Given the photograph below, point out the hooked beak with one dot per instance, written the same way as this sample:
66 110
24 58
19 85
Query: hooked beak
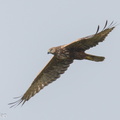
48 52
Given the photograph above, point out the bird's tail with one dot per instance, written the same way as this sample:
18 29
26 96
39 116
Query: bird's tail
94 58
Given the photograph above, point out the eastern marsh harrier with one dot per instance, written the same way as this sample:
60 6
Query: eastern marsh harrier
64 55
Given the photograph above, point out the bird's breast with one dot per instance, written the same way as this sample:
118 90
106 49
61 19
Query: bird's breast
63 54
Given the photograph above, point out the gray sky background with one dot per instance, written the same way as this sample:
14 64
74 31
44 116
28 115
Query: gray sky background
88 90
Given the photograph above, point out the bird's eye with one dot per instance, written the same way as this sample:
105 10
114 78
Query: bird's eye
51 50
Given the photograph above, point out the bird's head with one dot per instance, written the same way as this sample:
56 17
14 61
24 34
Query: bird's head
52 50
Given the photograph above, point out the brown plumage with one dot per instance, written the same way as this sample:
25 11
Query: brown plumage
63 57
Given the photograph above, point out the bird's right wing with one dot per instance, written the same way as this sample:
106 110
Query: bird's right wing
87 42
49 74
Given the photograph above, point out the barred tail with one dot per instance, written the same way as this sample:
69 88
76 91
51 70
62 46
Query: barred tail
94 58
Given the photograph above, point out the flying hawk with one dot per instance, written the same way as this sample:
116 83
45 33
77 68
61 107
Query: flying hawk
64 55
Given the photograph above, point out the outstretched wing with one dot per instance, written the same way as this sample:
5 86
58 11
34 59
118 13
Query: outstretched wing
92 40
49 74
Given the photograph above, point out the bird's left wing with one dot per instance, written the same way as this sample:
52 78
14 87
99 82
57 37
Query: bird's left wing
49 74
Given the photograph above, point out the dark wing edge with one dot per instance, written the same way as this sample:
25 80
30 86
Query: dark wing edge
49 74
90 41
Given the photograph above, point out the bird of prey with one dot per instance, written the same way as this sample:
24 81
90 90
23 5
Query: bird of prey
63 56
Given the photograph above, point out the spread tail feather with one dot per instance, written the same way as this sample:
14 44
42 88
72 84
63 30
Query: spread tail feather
94 58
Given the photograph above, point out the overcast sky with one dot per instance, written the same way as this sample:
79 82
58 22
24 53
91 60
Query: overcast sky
88 90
